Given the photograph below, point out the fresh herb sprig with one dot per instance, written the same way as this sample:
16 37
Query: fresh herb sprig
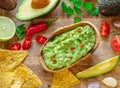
20 31
77 8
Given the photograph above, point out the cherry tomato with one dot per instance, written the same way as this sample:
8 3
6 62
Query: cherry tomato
27 43
115 43
15 46
40 39
104 28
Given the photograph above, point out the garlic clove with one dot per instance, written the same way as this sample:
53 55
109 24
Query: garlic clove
110 81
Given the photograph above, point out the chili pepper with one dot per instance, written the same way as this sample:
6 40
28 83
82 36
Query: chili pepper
15 46
104 28
27 43
39 27
40 39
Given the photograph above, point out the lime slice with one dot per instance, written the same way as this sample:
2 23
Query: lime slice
7 28
100 68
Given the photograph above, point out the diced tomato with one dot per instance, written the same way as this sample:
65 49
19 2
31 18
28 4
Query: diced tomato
41 39
104 28
53 59
27 43
15 46
72 48
115 43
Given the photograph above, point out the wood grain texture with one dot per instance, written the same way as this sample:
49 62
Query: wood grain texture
103 52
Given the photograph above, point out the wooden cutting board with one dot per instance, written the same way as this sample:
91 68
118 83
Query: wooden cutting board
103 52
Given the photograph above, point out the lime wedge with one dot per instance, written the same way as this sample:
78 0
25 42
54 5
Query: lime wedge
7 28
100 68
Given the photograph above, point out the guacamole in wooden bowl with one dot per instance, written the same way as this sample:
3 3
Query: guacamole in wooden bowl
68 45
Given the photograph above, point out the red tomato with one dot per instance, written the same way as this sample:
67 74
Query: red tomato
40 39
115 43
27 43
72 48
15 46
104 28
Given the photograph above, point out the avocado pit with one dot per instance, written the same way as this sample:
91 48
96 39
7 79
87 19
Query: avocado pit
38 4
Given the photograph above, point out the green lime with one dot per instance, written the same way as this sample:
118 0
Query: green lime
7 28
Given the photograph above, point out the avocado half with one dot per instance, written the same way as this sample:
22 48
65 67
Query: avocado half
109 7
26 12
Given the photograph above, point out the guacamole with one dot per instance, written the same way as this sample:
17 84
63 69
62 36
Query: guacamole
67 48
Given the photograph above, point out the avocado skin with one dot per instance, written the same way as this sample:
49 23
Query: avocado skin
109 7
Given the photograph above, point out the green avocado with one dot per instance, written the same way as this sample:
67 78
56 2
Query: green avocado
26 12
109 7
100 68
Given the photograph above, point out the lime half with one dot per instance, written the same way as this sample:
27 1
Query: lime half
7 28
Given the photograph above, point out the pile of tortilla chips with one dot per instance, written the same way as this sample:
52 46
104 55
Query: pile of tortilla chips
14 74
64 79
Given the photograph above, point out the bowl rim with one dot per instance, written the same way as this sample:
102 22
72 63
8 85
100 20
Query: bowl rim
65 29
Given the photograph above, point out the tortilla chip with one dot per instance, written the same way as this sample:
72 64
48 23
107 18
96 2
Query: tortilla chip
17 82
64 79
9 60
6 79
30 79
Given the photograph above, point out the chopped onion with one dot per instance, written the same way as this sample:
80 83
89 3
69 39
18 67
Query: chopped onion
110 81
94 85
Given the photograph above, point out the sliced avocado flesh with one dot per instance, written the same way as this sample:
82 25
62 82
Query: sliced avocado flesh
26 12
100 68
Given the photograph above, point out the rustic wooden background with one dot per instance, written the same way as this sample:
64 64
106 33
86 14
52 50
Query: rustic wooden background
103 52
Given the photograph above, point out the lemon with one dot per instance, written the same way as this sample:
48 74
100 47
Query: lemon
7 28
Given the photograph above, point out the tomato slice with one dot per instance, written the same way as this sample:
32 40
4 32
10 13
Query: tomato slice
115 43
41 39
104 28
27 43
15 46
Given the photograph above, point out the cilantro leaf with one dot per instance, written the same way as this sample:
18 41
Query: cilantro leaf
77 3
77 10
20 32
77 19
88 5
94 11
72 1
76 7
64 6
68 10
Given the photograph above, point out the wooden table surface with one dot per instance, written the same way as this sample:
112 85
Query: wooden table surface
103 52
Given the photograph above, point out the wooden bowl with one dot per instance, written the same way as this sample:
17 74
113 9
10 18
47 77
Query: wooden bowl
65 29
